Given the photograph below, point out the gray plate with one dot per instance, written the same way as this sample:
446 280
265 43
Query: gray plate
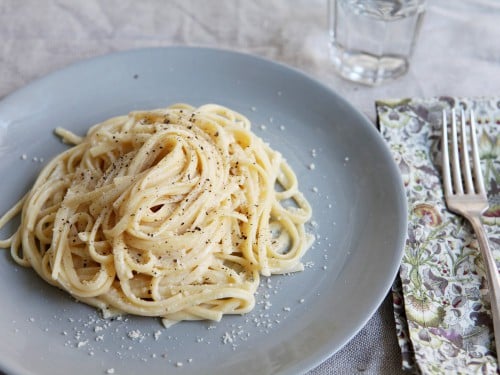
344 169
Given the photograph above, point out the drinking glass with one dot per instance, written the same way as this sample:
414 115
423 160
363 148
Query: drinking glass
371 41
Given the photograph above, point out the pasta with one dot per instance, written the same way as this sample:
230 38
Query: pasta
173 213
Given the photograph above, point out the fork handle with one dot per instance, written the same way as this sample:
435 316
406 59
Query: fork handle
492 276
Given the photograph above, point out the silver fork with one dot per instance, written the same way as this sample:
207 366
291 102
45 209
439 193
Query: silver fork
469 199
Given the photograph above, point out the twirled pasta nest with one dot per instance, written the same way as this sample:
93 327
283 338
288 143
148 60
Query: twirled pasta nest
173 213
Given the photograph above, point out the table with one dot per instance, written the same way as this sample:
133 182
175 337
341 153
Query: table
457 54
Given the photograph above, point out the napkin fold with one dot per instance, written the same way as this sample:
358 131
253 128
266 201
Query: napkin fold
441 300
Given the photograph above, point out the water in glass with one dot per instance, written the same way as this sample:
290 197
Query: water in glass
372 40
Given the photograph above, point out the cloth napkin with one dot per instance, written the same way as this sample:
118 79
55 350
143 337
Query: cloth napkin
441 301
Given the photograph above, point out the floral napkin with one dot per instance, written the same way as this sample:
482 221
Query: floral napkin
441 300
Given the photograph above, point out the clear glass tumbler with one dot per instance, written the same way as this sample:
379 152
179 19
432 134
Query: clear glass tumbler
371 41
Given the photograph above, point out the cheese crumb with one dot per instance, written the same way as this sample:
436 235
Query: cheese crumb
157 334
82 343
227 338
135 334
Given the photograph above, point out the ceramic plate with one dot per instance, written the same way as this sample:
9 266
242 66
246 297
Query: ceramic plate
344 169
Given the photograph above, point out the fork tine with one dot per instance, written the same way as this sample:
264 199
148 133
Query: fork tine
469 188
478 176
445 157
455 163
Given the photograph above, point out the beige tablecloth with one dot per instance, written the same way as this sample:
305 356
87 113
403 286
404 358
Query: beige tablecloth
457 54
